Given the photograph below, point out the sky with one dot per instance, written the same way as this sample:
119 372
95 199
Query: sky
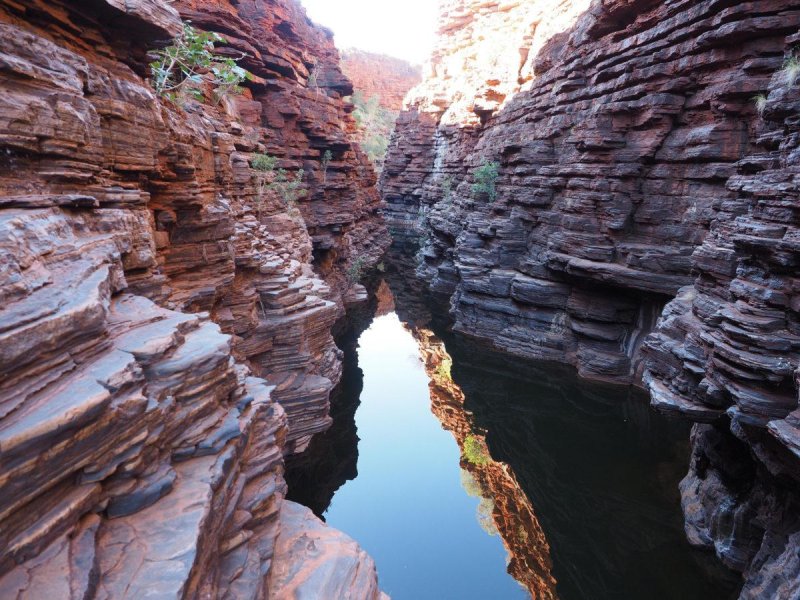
401 29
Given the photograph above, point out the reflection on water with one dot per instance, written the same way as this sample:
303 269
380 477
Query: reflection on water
601 471
503 508
574 483
407 507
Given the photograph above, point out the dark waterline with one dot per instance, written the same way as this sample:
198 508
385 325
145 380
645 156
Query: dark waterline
580 487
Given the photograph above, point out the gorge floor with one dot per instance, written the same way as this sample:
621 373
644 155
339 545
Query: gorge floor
566 486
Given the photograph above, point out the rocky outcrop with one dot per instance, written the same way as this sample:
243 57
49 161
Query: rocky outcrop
611 160
161 317
386 77
637 180
331 565
727 353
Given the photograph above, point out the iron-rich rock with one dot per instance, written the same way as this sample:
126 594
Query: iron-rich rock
160 314
640 193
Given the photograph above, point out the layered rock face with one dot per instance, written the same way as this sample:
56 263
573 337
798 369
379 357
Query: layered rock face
160 316
726 353
614 143
634 171
379 75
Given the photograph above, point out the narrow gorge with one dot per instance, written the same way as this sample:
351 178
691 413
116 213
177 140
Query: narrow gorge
259 340
644 230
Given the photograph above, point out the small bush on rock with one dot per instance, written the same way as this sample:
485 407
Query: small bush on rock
290 189
443 370
761 104
355 271
447 189
264 166
326 161
475 451
313 76
268 178
264 162
376 124
180 69
791 69
486 179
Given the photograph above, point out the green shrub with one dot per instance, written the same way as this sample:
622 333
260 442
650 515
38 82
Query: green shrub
475 451
791 69
356 269
447 189
761 104
289 189
485 179
326 160
268 178
375 124
443 370
313 76
264 162
180 69
264 165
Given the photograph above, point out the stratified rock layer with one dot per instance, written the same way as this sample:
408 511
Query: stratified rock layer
634 171
159 317
379 75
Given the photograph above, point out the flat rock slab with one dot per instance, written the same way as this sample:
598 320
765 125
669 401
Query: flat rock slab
316 561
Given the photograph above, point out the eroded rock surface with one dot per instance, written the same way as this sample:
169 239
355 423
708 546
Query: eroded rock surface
320 562
379 75
159 317
639 191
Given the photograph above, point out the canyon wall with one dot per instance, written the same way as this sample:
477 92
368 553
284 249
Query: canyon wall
642 191
379 75
166 323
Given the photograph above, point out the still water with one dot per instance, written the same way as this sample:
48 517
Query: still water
467 475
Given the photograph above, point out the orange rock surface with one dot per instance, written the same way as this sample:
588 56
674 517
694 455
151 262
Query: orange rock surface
379 75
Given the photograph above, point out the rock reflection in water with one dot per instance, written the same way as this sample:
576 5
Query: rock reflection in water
504 508
600 469
331 459
579 480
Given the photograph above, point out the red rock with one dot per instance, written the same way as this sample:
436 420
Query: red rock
634 173
333 566
155 312
379 75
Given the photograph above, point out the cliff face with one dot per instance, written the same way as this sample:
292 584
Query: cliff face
379 75
160 316
636 181
726 353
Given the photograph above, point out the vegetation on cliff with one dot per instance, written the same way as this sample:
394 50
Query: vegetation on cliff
270 179
375 124
486 180
475 451
180 70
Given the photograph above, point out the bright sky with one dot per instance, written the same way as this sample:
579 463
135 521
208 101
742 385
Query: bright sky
401 29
